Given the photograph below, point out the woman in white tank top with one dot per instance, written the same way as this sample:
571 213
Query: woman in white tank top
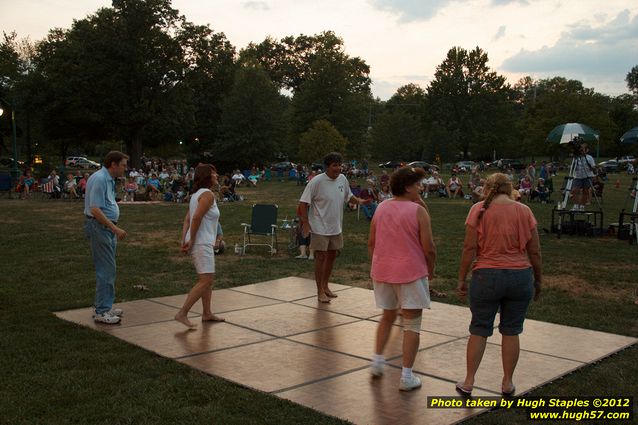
198 238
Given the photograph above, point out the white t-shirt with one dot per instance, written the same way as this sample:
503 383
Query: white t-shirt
326 198
584 167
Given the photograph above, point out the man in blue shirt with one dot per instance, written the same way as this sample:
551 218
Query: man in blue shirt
102 213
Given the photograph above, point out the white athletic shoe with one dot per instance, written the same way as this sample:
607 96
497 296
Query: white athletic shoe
106 318
116 312
409 384
376 369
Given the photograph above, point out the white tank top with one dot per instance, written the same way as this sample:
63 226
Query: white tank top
207 231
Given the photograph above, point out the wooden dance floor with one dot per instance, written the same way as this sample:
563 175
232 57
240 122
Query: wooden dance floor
278 339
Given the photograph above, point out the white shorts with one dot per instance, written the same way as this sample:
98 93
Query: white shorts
410 296
203 258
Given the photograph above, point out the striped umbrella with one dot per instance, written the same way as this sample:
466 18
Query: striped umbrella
630 137
565 133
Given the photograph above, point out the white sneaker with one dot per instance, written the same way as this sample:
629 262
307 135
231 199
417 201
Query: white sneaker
376 369
107 318
311 258
116 312
303 257
409 384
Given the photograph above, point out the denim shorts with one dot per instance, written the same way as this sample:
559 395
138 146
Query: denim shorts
507 290
581 183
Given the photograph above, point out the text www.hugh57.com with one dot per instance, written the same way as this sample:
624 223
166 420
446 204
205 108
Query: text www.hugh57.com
579 416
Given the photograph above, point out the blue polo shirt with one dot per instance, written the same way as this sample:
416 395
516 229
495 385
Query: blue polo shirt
100 193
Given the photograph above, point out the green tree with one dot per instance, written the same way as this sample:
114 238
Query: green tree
399 131
18 86
550 102
326 83
320 139
470 105
252 126
397 135
127 69
289 61
632 80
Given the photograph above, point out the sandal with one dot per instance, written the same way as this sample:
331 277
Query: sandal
462 390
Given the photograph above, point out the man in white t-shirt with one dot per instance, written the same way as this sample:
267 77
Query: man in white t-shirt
326 194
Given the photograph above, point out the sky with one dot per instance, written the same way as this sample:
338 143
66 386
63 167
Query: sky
404 41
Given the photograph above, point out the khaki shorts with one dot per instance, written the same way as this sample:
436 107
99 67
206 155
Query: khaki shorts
411 296
326 243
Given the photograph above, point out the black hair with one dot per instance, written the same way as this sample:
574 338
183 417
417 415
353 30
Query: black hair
332 158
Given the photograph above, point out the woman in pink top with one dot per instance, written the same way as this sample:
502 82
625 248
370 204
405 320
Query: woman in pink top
502 246
403 255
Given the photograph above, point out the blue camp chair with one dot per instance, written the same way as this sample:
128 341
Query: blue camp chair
263 223
5 184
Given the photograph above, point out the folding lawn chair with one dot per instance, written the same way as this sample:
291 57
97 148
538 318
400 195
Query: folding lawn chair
263 223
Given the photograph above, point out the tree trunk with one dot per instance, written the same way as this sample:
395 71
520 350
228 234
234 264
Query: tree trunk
134 151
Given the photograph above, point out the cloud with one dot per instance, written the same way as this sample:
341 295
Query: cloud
385 87
411 10
500 33
423 10
256 5
585 50
506 2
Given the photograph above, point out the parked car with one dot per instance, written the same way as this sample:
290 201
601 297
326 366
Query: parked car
625 159
392 164
71 161
610 166
8 162
465 165
317 166
283 166
425 165
505 163
86 163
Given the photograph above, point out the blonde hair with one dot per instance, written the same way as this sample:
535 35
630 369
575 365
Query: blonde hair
495 184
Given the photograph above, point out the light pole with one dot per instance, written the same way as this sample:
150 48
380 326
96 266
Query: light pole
15 172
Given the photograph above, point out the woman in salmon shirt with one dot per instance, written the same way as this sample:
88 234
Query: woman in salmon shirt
403 254
502 247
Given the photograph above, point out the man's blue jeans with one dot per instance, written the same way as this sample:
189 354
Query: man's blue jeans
103 243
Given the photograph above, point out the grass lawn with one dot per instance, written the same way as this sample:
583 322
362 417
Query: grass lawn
54 372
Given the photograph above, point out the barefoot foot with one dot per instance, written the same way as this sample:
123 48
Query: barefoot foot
181 318
323 298
213 318
330 293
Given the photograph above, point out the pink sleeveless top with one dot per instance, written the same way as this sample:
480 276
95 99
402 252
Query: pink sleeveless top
398 256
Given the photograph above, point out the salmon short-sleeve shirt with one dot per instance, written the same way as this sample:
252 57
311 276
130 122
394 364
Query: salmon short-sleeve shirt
502 235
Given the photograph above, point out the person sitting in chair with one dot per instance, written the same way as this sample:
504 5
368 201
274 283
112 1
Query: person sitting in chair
129 189
70 187
454 187
153 187
541 191
26 183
